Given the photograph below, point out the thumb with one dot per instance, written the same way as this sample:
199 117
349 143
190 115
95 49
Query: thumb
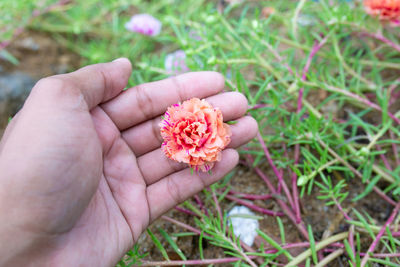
100 82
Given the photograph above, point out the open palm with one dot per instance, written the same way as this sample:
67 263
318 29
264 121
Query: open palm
84 174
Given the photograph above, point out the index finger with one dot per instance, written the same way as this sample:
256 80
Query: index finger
149 100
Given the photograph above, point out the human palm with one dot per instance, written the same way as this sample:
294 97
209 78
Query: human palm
81 169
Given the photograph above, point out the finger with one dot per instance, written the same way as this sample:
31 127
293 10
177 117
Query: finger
177 187
243 131
232 105
100 82
155 165
8 130
149 100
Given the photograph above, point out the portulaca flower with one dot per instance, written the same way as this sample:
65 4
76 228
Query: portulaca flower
144 24
175 63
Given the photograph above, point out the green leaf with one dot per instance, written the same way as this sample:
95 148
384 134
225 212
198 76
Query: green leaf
312 245
158 244
172 244
9 57
281 230
368 189
201 245
274 244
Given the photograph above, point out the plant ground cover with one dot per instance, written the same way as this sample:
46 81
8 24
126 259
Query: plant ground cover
322 80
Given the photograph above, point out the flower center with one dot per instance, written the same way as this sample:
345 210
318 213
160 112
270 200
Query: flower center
192 135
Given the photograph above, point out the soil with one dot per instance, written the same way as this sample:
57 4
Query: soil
40 56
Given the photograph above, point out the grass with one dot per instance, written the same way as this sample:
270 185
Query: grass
321 78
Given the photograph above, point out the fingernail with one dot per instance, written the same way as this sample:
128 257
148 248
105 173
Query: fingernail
120 59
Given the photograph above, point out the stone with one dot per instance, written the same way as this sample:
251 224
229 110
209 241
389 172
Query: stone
244 226
14 89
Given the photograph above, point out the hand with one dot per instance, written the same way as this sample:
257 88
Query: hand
81 170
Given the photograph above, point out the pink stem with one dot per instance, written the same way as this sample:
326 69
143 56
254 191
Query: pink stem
383 39
357 173
345 215
380 234
266 152
295 192
200 204
258 106
277 173
300 245
383 255
394 147
250 196
193 262
181 224
290 199
393 98
351 240
217 206
384 159
375 255
364 101
188 212
280 60
317 46
255 207
396 234
197 231
282 204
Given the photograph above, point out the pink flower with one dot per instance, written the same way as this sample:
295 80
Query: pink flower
175 63
388 10
144 24
194 133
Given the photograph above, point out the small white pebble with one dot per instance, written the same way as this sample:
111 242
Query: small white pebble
245 228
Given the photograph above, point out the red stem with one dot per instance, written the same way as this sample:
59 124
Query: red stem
255 207
277 173
181 224
384 159
193 262
379 235
351 240
376 255
250 196
394 147
188 212
300 245
282 204
364 101
383 39
290 198
217 206
258 106
200 204
393 98
345 215
317 46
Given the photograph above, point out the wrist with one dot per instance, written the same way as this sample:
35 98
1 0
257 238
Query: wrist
15 242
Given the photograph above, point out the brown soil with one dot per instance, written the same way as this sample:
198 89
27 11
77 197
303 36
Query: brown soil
39 56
